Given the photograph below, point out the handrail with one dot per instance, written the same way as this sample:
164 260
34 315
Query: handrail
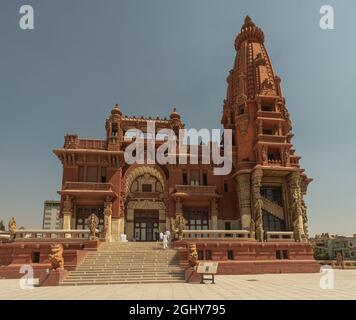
219 234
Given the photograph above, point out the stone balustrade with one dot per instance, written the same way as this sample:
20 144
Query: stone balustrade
195 189
92 144
242 235
30 234
280 236
92 186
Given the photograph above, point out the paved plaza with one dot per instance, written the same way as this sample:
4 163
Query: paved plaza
271 286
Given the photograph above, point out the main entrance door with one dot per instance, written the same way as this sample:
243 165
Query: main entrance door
146 225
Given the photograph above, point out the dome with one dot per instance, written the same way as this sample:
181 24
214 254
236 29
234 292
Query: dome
116 110
174 114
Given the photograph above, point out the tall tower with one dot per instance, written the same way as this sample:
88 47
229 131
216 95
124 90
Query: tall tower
271 183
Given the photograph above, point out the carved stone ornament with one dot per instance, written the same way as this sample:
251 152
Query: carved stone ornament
193 255
56 257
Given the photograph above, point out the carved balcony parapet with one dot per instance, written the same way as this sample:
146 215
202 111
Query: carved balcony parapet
92 144
79 188
196 190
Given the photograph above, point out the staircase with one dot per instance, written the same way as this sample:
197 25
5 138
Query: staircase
134 262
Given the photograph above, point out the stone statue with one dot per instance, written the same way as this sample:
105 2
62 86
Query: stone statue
56 257
193 255
259 219
107 220
93 222
252 226
178 226
298 229
264 155
12 228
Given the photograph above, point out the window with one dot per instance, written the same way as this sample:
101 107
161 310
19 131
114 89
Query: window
268 131
205 179
81 174
146 187
195 177
200 255
103 174
185 178
197 219
273 194
228 225
230 254
282 254
36 257
272 223
92 174
267 108
208 255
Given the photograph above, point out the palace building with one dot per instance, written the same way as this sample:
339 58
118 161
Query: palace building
263 192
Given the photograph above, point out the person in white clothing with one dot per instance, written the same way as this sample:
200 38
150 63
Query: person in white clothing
165 241
161 236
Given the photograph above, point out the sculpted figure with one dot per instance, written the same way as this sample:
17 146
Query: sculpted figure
93 224
259 220
178 226
12 228
56 257
193 255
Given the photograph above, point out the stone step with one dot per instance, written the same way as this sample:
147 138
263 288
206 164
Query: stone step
121 281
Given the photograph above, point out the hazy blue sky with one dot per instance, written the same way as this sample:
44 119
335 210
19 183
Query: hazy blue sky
149 55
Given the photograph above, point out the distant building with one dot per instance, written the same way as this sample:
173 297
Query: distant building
51 217
332 244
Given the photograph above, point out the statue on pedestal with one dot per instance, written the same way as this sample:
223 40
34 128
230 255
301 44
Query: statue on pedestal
193 255
56 258
12 229
93 222
178 226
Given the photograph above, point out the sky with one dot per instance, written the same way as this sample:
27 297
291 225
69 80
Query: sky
150 55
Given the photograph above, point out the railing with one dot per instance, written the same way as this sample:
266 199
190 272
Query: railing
268 114
28 234
243 235
272 138
280 236
273 208
91 186
92 144
196 189
345 264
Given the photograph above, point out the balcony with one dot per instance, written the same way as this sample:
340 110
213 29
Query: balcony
72 141
92 144
272 138
269 114
196 190
84 188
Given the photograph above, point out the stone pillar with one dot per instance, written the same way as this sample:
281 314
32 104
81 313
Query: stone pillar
67 214
179 207
256 227
107 219
296 206
214 214
243 184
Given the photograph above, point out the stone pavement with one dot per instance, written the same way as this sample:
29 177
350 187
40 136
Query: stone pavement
268 286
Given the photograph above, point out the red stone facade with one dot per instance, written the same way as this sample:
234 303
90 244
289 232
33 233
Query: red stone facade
264 192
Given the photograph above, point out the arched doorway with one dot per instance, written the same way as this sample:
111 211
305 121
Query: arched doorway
145 208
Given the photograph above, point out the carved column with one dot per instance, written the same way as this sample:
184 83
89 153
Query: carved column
179 207
243 184
67 213
107 219
214 214
257 222
295 206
